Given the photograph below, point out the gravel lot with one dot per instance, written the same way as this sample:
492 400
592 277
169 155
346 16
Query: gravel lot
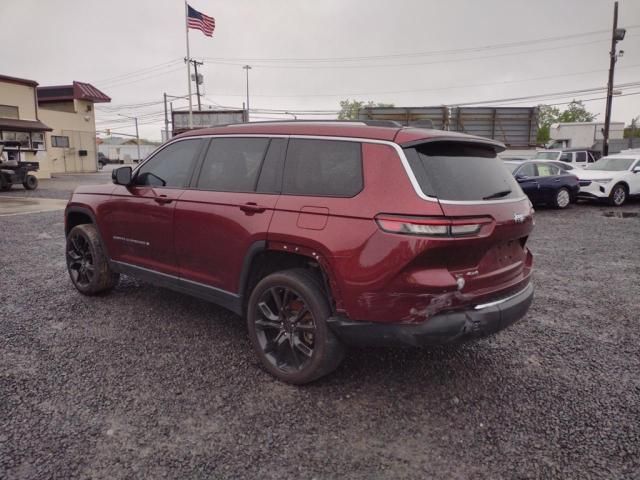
146 383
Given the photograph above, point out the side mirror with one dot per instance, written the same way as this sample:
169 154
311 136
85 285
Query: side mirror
636 169
521 178
121 176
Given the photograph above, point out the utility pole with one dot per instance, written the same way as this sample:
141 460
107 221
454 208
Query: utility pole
197 80
135 119
247 68
617 35
166 119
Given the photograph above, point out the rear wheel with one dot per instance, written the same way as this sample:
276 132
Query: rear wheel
618 195
286 318
562 198
30 183
87 263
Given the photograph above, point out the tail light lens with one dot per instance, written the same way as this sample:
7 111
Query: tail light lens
431 226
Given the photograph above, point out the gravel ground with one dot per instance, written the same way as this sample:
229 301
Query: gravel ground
146 383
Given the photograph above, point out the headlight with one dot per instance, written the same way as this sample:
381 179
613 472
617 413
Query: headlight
603 181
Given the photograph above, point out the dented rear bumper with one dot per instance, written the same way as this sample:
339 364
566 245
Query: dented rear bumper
448 327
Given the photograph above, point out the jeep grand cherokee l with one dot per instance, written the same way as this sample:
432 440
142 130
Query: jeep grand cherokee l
321 234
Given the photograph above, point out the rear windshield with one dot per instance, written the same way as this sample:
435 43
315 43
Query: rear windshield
456 171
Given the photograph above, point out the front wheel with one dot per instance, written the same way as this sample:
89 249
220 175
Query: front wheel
618 195
87 263
286 319
562 198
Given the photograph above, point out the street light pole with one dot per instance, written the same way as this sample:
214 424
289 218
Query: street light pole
247 68
135 119
617 35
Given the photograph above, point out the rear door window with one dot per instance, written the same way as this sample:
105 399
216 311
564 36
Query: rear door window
581 157
330 168
171 166
232 164
460 171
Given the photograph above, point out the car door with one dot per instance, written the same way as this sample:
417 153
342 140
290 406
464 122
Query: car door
228 208
549 181
634 180
526 176
581 159
139 217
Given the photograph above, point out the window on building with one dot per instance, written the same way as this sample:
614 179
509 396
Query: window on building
11 136
171 166
9 111
25 140
233 164
59 141
37 140
329 168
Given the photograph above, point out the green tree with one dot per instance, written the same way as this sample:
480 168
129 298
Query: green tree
349 108
547 115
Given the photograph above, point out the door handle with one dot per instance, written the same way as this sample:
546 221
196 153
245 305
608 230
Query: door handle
162 199
251 208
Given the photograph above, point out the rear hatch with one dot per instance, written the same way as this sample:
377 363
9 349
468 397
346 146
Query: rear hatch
472 187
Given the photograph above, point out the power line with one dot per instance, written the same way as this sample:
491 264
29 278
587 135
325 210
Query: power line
419 54
137 72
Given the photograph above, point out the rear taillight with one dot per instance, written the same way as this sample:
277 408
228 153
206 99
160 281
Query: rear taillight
431 226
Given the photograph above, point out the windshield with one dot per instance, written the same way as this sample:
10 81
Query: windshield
546 156
459 171
611 164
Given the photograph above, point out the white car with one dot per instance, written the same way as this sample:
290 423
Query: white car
614 178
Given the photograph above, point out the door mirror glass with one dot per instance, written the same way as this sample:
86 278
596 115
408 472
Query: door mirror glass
121 176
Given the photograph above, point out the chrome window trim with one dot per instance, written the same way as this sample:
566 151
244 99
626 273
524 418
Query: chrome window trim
398 149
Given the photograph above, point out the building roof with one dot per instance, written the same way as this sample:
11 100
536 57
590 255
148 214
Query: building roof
355 129
19 81
75 91
15 125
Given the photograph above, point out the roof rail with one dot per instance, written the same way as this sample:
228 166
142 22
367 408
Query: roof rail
370 123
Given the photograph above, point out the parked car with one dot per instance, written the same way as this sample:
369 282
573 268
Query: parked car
614 178
321 234
104 160
545 183
577 157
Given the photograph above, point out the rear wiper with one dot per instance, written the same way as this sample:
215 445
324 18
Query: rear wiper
501 193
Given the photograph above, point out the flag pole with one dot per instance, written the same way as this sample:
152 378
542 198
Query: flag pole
188 60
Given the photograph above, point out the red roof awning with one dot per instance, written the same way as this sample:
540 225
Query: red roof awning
75 91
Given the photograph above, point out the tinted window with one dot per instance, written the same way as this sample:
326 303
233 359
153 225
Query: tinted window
566 157
581 156
271 172
232 164
323 168
171 166
457 171
527 170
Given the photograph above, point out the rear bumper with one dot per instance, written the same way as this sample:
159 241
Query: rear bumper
450 327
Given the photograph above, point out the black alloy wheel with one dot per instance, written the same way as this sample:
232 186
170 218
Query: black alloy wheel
286 319
80 260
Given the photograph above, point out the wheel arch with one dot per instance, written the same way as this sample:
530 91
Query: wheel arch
81 215
264 258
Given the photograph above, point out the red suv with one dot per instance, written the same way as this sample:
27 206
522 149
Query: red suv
321 234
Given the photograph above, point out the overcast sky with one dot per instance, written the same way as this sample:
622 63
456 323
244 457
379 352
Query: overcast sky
308 55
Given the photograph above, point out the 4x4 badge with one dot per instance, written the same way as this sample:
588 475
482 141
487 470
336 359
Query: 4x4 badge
518 217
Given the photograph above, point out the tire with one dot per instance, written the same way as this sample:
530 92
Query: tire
562 198
30 183
618 195
87 263
294 343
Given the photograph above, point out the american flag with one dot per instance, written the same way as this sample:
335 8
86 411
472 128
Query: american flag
200 21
